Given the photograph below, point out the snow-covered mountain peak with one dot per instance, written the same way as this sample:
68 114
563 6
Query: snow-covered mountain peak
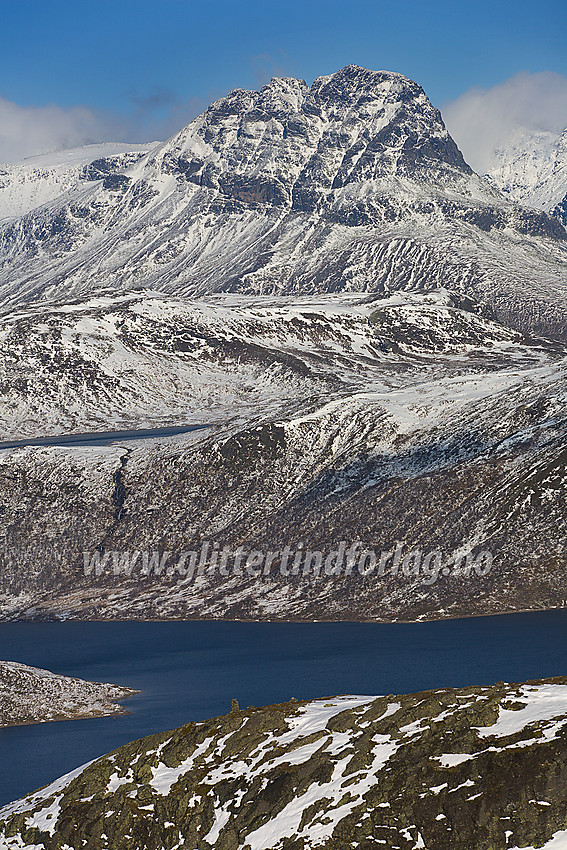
532 168
299 143
350 184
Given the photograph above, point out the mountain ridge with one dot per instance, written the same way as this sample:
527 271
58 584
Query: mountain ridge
353 418
458 767
382 364
351 184
38 180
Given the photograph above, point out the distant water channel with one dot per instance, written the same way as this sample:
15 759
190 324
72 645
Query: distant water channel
192 670
102 438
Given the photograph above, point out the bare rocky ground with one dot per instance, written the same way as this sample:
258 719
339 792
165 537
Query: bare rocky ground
31 695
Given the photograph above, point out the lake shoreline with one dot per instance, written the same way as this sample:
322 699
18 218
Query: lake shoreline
290 620
188 671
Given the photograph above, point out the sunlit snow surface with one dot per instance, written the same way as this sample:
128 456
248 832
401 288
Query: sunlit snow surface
541 703
531 167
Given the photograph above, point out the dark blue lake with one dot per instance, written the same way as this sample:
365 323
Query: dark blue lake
190 671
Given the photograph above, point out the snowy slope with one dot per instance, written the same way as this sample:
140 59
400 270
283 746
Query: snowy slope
352 184
39 180
137 360
350 417
532 169
473 767
30 695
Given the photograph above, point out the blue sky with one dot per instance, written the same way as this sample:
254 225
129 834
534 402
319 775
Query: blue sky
104 54
154 65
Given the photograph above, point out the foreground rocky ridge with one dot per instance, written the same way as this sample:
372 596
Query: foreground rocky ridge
30 695
481 767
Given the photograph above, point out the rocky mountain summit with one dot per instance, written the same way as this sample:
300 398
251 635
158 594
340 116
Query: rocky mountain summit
480 767
352 184
30 695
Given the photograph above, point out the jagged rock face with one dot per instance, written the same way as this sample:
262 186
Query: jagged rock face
560 211
291 146
352 184
30 695
474 767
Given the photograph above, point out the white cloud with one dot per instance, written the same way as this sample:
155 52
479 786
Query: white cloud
481 120
31 130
